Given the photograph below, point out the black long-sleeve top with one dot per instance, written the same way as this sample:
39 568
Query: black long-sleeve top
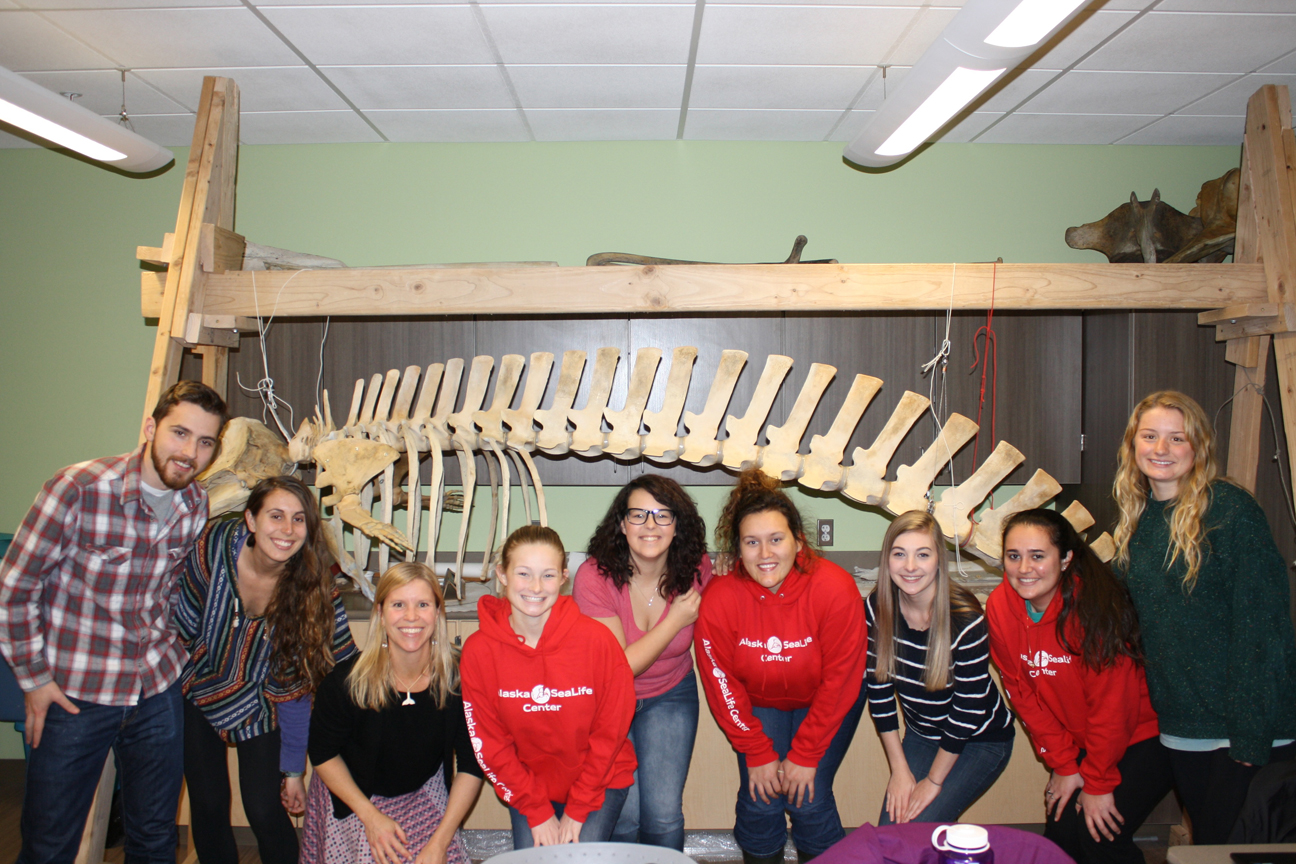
389 752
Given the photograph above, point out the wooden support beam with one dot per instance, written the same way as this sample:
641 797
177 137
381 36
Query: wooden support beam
206 196
1250 319
1271 158
732 288
215 368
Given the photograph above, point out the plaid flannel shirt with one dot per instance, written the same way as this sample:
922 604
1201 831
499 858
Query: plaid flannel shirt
88 584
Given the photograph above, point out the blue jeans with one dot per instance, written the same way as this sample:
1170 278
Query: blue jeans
760 828
662 733
64 770
596 829
977 768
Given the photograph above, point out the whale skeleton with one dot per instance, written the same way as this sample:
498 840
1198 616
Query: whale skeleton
390 430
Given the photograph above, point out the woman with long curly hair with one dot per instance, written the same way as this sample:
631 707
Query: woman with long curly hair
263 624
928 648
1065 637
647 565
1212 594
781 642
386 735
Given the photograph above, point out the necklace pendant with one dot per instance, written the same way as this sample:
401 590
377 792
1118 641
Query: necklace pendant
409 699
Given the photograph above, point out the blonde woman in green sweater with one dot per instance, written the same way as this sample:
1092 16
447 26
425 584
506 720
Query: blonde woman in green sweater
1212 595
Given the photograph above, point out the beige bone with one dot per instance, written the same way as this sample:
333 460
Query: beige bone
587 436
781 457
662 443
738 450
700 445
554 438
909 490
624 441
866 477
822 469
957 504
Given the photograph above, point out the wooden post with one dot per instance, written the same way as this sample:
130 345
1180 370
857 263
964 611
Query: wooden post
207 196
1271 159
1249 354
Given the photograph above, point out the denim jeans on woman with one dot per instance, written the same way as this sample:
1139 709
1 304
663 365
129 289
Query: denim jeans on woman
760 828
663 732
977 768
596 828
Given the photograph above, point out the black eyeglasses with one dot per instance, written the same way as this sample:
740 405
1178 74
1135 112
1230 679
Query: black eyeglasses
638 516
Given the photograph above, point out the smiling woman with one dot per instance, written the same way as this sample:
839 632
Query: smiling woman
1212 592
780 640
549 698
263 625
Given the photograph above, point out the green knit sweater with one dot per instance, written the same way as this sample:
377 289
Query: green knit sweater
1221 660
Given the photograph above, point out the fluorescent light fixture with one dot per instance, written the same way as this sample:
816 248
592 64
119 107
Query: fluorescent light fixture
986 39
960 88
1030 22
48 115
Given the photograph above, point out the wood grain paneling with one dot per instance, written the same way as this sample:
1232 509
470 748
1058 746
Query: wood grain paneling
1038 390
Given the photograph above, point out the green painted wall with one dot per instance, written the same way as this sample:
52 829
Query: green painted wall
76 352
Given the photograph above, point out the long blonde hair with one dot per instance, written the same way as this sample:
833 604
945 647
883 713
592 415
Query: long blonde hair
371 683
1130 489
950 597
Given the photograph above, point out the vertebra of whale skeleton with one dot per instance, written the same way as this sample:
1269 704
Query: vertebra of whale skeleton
389 430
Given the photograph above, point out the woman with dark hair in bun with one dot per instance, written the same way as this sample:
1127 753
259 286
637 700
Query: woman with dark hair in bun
781 643
643 579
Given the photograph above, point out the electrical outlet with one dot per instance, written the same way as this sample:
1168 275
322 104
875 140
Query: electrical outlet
825 532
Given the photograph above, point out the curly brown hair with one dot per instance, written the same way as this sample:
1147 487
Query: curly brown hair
609 548
300 614
757 492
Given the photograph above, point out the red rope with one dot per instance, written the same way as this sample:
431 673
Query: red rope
991 357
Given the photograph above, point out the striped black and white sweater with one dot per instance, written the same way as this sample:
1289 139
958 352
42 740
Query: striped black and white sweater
969 709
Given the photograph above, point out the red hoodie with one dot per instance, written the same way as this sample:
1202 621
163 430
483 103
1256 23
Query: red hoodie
549 723
1066 706
803 646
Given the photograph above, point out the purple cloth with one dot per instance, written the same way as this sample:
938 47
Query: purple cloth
911 844
294 728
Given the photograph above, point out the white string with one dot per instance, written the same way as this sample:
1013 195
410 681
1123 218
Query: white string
937 404
319 379
265 387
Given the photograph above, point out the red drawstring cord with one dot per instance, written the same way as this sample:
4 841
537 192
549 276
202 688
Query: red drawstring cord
991 356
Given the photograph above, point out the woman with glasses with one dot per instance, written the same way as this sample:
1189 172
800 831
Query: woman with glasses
643 580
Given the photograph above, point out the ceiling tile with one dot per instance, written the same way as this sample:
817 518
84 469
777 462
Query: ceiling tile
588 33
1079 92
749 125
271 88
1231 101
1067 49
802 35
1178 42
971 126
462 126
397 35
632 125
1285 64
851 126
1016 90
177 38
8 4
786 87
1179 129
1225 6
294 127
101 91
123 4
953 5
170 130
29 43
880 88
421 87
1019 128
620 87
